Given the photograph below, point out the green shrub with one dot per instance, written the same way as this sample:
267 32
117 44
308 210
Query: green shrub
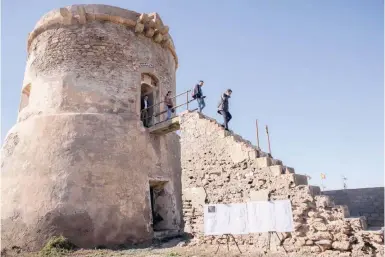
172 254
57 246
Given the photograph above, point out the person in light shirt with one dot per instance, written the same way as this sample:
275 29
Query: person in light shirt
169 104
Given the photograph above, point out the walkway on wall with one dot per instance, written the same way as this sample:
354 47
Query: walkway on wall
164 126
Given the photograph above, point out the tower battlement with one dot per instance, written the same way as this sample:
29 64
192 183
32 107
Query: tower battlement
149 25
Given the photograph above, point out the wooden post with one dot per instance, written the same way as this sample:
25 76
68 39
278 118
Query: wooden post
256 124
268 139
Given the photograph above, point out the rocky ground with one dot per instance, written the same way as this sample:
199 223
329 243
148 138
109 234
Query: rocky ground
171 248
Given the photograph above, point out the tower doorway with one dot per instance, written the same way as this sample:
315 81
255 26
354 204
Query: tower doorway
149 92
161 206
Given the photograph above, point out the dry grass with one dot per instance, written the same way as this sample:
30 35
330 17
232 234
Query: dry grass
167 252
60 247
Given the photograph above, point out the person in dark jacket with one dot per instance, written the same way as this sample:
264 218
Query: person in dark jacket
198 94
144 112
223 108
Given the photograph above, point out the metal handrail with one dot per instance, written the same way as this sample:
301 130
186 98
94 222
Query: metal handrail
173 108
164 101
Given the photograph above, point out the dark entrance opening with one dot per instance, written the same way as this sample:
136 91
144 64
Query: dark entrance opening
161 206
147 113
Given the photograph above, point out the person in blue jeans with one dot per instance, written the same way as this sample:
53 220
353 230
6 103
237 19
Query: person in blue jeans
198 94
169 104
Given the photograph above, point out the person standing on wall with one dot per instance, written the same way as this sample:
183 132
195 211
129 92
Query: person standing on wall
144 113
223 108
198 94
169 104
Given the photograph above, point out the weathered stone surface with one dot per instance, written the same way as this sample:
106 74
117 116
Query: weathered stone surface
309 242
319 226
343 246
79 151
362 200
324 244
261 195
320 236
276 170
206 149
263 162
323 201
196 195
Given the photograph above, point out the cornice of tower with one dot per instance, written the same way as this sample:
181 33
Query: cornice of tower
149 25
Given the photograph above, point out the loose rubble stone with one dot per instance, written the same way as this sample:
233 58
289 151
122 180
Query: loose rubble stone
343 246
320 226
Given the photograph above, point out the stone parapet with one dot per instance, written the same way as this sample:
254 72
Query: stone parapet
149 25
368 202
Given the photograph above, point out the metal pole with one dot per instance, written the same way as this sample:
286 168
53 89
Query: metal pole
256 124
187 99
344 180
323 176
268 139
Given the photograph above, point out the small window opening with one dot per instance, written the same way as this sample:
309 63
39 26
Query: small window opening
25 97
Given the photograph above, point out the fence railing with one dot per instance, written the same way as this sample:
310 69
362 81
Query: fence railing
150 120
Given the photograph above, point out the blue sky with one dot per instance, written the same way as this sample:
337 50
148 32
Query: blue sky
312 70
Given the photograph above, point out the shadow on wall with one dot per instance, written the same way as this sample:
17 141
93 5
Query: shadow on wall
368 202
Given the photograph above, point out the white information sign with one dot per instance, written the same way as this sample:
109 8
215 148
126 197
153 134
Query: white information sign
283 216
225 219
260 216
251 217
270 216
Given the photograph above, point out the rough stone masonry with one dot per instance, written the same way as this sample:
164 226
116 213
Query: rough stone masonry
79 162
368 202
221 167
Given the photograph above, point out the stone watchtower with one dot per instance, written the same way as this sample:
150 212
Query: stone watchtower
79 161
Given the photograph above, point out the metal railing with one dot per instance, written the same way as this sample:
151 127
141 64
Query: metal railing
149 121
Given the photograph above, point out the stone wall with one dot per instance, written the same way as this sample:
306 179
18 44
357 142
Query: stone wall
368 202
79 162
221 167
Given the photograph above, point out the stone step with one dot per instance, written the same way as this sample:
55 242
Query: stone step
375 229
166 234
314 190
276 162
324 201
288 170
275 170
296 179
264 162
236 138
278 169
358 223
343 211
311 190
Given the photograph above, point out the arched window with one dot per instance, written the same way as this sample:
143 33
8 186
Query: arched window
149 92
25 97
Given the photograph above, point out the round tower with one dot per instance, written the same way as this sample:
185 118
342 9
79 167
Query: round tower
79 162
